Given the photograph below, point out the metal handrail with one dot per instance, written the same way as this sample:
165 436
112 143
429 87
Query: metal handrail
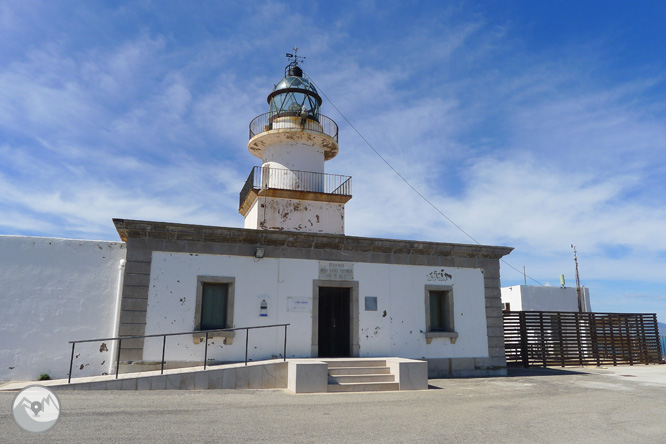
269 121
164 335
262 178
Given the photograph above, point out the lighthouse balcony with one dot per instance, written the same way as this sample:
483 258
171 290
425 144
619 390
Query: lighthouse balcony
290 184
299 120
303 127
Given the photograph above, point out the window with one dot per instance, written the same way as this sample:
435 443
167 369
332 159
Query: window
439 313
215 306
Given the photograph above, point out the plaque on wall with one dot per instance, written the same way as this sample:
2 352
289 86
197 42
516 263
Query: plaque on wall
298 305
336 271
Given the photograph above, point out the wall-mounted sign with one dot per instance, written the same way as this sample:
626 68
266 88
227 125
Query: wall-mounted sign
299 305
438 275
263 306
336 271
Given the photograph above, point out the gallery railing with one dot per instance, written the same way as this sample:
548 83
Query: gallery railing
293 120
164 336
284 179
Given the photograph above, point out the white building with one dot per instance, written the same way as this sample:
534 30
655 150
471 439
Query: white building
53 291
543 298
343 296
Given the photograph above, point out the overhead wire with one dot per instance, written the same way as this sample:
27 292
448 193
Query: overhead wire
428 201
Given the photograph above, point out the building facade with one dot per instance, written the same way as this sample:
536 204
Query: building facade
292 263
543 298
342 296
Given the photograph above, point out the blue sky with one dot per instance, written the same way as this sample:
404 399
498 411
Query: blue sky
530 125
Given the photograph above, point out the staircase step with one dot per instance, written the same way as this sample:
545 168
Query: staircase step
342 379
364 387
355 363
338 371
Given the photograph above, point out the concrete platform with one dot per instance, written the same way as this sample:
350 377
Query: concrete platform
296 375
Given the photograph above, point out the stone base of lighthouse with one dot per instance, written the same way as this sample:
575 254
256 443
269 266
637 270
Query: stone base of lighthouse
324 215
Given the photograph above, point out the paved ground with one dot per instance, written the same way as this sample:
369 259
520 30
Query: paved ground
613 405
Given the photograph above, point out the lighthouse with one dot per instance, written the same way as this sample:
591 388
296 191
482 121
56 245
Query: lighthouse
290 191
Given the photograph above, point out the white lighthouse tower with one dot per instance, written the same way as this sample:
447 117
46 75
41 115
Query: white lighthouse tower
290 191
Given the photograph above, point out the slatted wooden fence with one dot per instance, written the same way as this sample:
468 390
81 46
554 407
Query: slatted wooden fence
541 339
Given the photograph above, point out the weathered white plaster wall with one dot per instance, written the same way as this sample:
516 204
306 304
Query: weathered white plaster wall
53 291
395 329
296 215
542 298
294 156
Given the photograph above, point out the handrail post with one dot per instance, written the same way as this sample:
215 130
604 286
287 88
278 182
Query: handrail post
285 342
120 344
163 347
247 335
206 351
71 360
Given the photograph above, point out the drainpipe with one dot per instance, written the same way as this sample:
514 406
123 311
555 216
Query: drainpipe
116 316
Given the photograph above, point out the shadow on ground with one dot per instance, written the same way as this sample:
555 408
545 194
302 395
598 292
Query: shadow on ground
513 372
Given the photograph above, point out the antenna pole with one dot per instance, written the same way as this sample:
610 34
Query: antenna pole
580 300
525 275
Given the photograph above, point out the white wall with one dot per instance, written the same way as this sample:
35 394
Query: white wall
395 329
296 215
294 156
542 298
53 291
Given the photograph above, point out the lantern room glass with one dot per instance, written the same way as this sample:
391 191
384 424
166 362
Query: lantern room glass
293 102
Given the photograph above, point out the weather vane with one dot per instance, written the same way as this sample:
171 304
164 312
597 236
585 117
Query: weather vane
294 58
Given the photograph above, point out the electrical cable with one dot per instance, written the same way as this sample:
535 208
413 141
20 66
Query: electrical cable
406 181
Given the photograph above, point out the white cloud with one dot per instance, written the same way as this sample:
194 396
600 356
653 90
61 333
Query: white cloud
536 149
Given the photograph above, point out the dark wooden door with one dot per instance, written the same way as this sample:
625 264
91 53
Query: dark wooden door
334 322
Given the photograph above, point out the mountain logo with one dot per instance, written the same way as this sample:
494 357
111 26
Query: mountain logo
36 409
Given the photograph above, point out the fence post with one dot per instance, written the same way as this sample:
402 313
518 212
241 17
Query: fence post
577 317
285 342
120 344
206 351
163 349
523 340
545 355
629 342
71 360
247 335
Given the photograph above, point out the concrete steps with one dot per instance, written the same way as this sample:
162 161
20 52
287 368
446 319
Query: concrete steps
360 376
341 371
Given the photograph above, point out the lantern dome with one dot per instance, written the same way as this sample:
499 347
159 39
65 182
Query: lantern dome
294 95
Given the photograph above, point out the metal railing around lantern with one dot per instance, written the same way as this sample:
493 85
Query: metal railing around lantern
293 120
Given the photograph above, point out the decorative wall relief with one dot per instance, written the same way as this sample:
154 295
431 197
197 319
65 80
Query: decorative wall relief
438 275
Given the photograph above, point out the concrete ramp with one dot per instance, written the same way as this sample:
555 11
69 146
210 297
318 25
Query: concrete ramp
296 375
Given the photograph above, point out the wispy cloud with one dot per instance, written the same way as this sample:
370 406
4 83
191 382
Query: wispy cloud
142 112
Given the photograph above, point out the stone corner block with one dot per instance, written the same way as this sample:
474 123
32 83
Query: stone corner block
307 377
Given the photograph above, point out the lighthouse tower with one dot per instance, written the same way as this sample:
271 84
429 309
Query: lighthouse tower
290 190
